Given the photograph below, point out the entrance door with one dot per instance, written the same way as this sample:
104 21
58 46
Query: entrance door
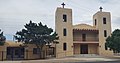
84 48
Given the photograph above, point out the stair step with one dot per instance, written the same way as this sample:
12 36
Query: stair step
87 55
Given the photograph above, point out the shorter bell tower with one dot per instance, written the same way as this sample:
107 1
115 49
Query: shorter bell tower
102 21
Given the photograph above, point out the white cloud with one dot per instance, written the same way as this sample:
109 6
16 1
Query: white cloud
15 13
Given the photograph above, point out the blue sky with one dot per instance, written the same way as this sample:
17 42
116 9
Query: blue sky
14 14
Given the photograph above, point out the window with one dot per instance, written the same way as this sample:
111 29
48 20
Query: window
64 46
17 52
104 20
105 33
64 18
106 47
9 51
95 22
22 51
64 32
83 37
35 50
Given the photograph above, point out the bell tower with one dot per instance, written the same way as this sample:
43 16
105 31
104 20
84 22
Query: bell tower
102 21
63 27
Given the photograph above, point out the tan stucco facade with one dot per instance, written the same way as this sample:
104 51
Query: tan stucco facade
78 35
3 49
28 51
92 49
101 27
2 53
59 26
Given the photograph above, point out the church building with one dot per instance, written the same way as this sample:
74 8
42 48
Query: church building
73 39
82 38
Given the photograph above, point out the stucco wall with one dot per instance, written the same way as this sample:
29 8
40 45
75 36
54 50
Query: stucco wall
99 17
2 52
59 26
92 48
29 52
76 48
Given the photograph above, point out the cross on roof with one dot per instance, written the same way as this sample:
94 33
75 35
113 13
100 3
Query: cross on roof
63 4
100 8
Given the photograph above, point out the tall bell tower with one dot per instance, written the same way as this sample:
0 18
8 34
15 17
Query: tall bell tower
63 26
102 21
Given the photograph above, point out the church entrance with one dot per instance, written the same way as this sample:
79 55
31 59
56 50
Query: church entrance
84 49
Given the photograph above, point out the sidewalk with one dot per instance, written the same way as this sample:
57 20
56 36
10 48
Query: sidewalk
61 60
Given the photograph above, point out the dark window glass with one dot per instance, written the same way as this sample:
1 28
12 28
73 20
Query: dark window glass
64 46
105 47
17 52
105 33
35 50
9 51
64 18
64 32
83 37
104 20
22 51
95 22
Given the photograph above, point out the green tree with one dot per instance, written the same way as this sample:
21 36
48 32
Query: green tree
113 41
37 34
2 38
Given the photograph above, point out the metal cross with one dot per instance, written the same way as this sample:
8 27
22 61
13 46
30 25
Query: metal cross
100 8
63 4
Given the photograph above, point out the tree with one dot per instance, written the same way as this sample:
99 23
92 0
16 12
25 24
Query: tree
2 38
113 41
37 34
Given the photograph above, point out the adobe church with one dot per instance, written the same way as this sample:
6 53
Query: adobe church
73 39
82 38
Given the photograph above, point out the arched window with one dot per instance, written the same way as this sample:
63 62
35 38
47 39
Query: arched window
95 21
64 18
105 33
64 46
64 32
104 20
